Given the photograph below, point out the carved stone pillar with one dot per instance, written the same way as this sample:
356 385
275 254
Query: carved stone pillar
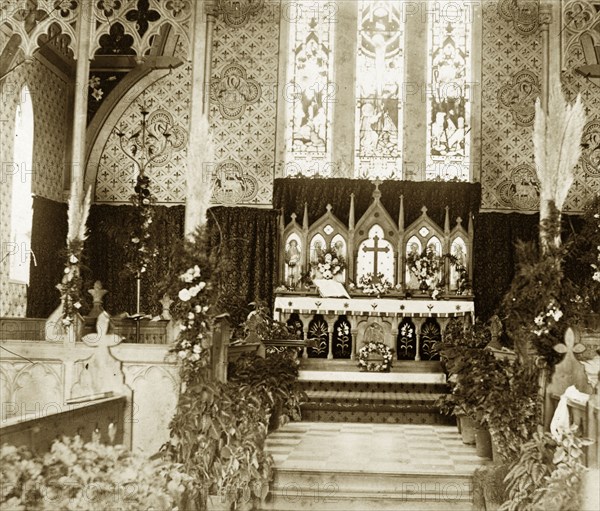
418 324
199 173
545 14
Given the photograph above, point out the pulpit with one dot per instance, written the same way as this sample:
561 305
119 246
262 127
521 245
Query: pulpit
409 281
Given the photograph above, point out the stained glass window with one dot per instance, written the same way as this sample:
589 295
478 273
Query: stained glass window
448 105
22 202
379 75
310 91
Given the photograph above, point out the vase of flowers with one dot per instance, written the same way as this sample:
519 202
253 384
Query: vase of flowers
374 284
330 265
426 267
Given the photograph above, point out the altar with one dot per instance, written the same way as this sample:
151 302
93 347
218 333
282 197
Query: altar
397 284
411 327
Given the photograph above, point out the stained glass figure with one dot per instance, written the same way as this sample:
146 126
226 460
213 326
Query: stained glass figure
457 270
448 105
379 75
293 260
310 92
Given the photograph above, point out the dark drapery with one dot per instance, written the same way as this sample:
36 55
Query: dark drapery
289 195
494 254
243 242
109 228
48 242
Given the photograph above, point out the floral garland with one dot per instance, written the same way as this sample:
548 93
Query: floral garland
375 347
329 264
140 242
193 342
70 287
370 285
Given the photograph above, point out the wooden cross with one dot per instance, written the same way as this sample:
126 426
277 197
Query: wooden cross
376 249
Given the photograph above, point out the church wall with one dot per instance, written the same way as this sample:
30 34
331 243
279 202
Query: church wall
50 97
115 176
587 25
244 136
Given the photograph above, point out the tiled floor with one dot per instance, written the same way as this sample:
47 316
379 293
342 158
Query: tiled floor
353 447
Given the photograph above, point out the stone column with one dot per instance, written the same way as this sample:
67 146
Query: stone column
80 99
545 16
199 166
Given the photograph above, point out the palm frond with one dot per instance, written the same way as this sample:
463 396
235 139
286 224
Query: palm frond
557 145
85 211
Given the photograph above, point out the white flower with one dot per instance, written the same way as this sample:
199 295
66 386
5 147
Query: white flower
191 315
182 354
73 259
77 305
196 348
184 295
195 357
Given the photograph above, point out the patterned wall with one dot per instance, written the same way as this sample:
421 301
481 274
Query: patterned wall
511 65
581 38
116 177
50 105
245 141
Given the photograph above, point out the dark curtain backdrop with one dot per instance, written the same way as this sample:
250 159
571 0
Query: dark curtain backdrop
48 242
243 242
289 195
494 254
109 228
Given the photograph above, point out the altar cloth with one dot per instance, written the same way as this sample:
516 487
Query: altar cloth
372 306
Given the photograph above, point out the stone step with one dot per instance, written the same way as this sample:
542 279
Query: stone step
346 490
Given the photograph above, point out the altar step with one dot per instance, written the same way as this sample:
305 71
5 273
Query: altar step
379 467
339 392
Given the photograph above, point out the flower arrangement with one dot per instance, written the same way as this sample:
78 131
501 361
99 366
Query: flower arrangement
371 348
70 288
140 243
547 319
89 477
329 264
426 267
371 284
193 342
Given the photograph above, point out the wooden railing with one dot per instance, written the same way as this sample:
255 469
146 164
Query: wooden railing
568 372
37 427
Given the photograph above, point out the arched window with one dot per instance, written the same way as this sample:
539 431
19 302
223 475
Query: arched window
412 90
21 199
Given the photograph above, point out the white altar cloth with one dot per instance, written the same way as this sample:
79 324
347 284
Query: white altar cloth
371 306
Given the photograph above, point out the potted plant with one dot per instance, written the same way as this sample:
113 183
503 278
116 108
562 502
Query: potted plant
467 362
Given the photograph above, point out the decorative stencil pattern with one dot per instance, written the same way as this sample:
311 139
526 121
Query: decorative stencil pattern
116 175
50 105
581 39
233 91
246 144
519 97
506 146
